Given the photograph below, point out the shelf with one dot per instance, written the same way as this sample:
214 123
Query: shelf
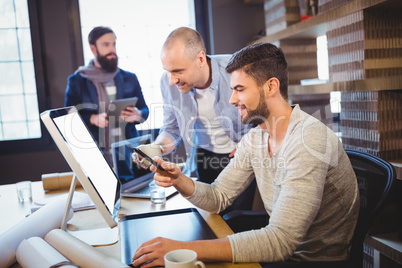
398 168
387 244
371 84
254 2
316 26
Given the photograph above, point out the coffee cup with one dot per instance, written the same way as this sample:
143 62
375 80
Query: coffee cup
182 258
151 150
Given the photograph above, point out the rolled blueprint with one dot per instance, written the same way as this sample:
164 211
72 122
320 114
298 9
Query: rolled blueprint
37 224
80 252
35 252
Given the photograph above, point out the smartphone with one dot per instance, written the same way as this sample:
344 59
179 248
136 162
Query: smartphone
147 157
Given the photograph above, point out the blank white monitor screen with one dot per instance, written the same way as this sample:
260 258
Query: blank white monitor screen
85 158
87 153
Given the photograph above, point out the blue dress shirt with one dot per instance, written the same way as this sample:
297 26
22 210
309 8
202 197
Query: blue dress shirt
180 111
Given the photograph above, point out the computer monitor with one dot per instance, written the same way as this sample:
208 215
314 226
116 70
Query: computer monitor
89 165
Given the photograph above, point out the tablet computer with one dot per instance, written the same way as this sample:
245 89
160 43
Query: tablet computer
181 224
116 106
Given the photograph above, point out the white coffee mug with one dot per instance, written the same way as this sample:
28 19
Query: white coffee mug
151 150
182 258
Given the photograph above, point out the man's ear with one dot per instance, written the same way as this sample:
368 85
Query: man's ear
93 49
271 86
202 58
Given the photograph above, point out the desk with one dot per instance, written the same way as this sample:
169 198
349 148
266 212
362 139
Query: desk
88 219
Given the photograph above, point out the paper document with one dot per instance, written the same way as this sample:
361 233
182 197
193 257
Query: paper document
81 201
35 252
38 224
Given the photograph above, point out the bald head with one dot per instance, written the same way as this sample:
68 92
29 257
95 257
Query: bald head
186 37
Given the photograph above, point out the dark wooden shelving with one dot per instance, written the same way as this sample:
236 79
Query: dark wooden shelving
371 84
317 26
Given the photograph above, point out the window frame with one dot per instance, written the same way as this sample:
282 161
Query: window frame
35 8
44 142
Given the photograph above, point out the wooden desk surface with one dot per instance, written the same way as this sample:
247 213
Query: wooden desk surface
14 212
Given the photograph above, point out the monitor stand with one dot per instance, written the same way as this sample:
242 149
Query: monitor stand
94 237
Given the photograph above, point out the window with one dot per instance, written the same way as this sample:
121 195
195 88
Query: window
322 58
19 112
323 72
22 90
141 27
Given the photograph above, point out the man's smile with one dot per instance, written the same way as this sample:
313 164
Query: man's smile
242 109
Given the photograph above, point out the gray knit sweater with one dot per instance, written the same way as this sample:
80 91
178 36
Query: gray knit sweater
308 188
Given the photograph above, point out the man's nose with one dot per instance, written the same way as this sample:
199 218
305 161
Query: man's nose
233 99
173 80
112 49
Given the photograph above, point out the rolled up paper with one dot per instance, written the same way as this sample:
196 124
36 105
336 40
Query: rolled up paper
37 224
57 181
80 252
35 252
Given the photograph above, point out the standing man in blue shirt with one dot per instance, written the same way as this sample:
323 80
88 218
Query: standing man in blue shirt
92 87
196 92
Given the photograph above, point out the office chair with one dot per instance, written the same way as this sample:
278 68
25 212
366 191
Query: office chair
376 178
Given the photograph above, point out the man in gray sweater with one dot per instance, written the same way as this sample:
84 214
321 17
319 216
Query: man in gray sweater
303 175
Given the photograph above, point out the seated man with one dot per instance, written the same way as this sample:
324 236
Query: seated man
303 174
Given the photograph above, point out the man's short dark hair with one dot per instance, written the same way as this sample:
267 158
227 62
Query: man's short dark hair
262 61
97 32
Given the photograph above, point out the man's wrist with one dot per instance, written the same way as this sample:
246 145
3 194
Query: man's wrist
91 119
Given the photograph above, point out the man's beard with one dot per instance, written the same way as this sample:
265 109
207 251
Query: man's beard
109 65
260 114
